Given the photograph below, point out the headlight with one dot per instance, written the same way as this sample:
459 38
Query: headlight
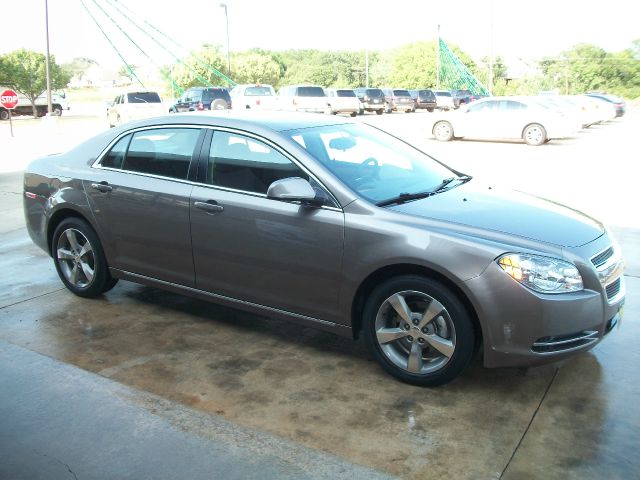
542 274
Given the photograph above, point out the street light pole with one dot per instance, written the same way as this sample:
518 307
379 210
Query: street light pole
226 16
46 20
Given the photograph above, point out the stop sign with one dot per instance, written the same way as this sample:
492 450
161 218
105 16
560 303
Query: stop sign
9 99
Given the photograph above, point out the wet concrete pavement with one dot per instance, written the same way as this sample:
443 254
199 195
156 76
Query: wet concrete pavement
575 420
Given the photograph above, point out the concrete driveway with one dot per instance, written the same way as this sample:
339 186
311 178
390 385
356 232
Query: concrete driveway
306 389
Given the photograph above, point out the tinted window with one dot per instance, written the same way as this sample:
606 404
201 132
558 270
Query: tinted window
242 163
115 157
401 93
481 107
443 94
213 93
345 93
143 97
511 105
165 151
374 92
311 92
257 91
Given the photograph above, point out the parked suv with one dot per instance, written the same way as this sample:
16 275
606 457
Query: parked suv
400 100
372 99
424 99
303 98
461 97
343 100
203 98
134 106
444 100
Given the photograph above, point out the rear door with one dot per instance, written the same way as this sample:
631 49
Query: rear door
246 246
139 195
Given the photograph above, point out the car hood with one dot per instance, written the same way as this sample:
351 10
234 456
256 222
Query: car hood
509 212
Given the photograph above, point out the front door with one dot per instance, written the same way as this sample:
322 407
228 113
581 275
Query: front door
273 253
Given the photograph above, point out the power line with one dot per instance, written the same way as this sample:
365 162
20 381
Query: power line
112 44
200 62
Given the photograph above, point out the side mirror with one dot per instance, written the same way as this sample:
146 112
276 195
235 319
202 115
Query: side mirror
293 188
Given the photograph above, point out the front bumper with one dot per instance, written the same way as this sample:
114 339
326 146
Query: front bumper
522 327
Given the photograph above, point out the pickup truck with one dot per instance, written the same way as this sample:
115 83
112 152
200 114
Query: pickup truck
58 104
261 97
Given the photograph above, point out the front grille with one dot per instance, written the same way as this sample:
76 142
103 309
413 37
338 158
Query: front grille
602 257
565 342
613 288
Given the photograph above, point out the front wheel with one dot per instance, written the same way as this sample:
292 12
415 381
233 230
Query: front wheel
443 131
79 259
4 114
379 112
353 114
534 134
56 110
418 330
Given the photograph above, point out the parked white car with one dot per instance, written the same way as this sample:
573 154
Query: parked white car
303 98
506 118
253 96
343 100
444 100
134 106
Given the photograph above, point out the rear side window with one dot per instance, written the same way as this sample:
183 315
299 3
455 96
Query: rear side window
246 164
166 152
115 157
345 93
311 92
143 97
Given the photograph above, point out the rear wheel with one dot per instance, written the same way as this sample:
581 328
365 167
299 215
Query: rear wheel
534 134
79 259
379 112
4 114
443 131
418 330
353 114
429 109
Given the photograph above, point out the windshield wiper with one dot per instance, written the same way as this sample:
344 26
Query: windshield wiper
407 197
404 197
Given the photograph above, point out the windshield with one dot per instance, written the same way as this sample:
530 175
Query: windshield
371 162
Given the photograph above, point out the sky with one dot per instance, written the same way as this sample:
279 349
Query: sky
517 29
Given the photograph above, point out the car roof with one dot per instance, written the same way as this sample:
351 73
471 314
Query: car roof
249 120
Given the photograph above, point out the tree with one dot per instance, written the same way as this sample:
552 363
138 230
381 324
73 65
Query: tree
78 66
199 68
128 71
256 67
25 71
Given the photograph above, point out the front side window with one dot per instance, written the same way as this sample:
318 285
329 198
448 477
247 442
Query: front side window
247 164
166 152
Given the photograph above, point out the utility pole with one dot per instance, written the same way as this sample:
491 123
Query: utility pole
226 16
46 20
366 67
438 60
491 60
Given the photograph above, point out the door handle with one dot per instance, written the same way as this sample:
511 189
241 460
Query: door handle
103 187
210 207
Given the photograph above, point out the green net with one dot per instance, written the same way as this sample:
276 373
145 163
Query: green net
455 75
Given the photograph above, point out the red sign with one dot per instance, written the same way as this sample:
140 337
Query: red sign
9 99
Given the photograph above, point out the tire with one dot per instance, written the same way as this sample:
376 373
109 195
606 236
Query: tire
443 131
430 109
218 104
4 114
79 259
56 110
379 111
534 134
353 114
430 343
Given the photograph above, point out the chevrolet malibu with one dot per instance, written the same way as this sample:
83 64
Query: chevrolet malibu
333 224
